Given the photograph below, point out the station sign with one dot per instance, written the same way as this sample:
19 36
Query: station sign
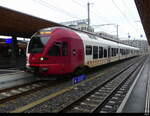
8 41
129 36
79 78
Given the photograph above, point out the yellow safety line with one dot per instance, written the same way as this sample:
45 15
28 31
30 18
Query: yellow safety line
33 104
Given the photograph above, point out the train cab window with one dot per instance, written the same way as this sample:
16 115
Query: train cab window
95 52
105 53
88 50
100 52
55 50
117 51
64 49
37 44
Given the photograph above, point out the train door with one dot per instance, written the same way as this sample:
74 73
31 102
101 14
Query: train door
77 54
58 52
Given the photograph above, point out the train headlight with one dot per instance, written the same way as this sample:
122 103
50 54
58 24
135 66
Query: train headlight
43 58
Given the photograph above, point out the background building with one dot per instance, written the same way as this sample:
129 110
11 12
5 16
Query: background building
6 55
142 44
104 34
79 24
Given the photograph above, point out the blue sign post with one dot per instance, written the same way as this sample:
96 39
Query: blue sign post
79 78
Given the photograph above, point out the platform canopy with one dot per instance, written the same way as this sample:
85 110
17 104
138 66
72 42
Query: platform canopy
14 23
143 7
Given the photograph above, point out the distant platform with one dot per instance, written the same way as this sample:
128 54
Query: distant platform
8 63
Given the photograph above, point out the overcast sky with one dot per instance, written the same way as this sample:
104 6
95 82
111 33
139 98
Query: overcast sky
120 12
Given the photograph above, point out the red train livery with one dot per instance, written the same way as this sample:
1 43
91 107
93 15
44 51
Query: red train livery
60 50
55 51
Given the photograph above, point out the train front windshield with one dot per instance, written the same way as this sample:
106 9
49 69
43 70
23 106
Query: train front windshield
37 44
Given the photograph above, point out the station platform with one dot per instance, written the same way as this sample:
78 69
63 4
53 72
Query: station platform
137 99
6 71
17 63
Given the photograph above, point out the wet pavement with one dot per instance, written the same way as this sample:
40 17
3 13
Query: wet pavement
136 101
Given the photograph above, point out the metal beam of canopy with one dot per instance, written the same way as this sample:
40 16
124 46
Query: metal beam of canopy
14 23
143 7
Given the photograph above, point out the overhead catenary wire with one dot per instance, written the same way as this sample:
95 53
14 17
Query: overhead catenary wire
125 17
127 7
50 6
96 13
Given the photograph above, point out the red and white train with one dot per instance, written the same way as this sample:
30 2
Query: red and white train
60 50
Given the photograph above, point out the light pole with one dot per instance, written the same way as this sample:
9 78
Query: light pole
88 10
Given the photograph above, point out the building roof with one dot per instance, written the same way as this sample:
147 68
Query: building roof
143 7
14 23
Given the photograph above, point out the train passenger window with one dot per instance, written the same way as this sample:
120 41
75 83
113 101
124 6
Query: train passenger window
112 49
100 52
65 49
88 50
55 50
121 51
105 53
109 49
115 51
127 51
95 52
124 52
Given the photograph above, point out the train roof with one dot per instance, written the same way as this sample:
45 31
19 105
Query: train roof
104 41
88 36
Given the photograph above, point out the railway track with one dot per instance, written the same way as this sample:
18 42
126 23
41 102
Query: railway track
107 97
21 90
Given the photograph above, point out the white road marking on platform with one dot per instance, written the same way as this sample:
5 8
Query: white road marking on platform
147 104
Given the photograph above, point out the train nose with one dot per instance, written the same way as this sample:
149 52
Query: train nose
35 58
